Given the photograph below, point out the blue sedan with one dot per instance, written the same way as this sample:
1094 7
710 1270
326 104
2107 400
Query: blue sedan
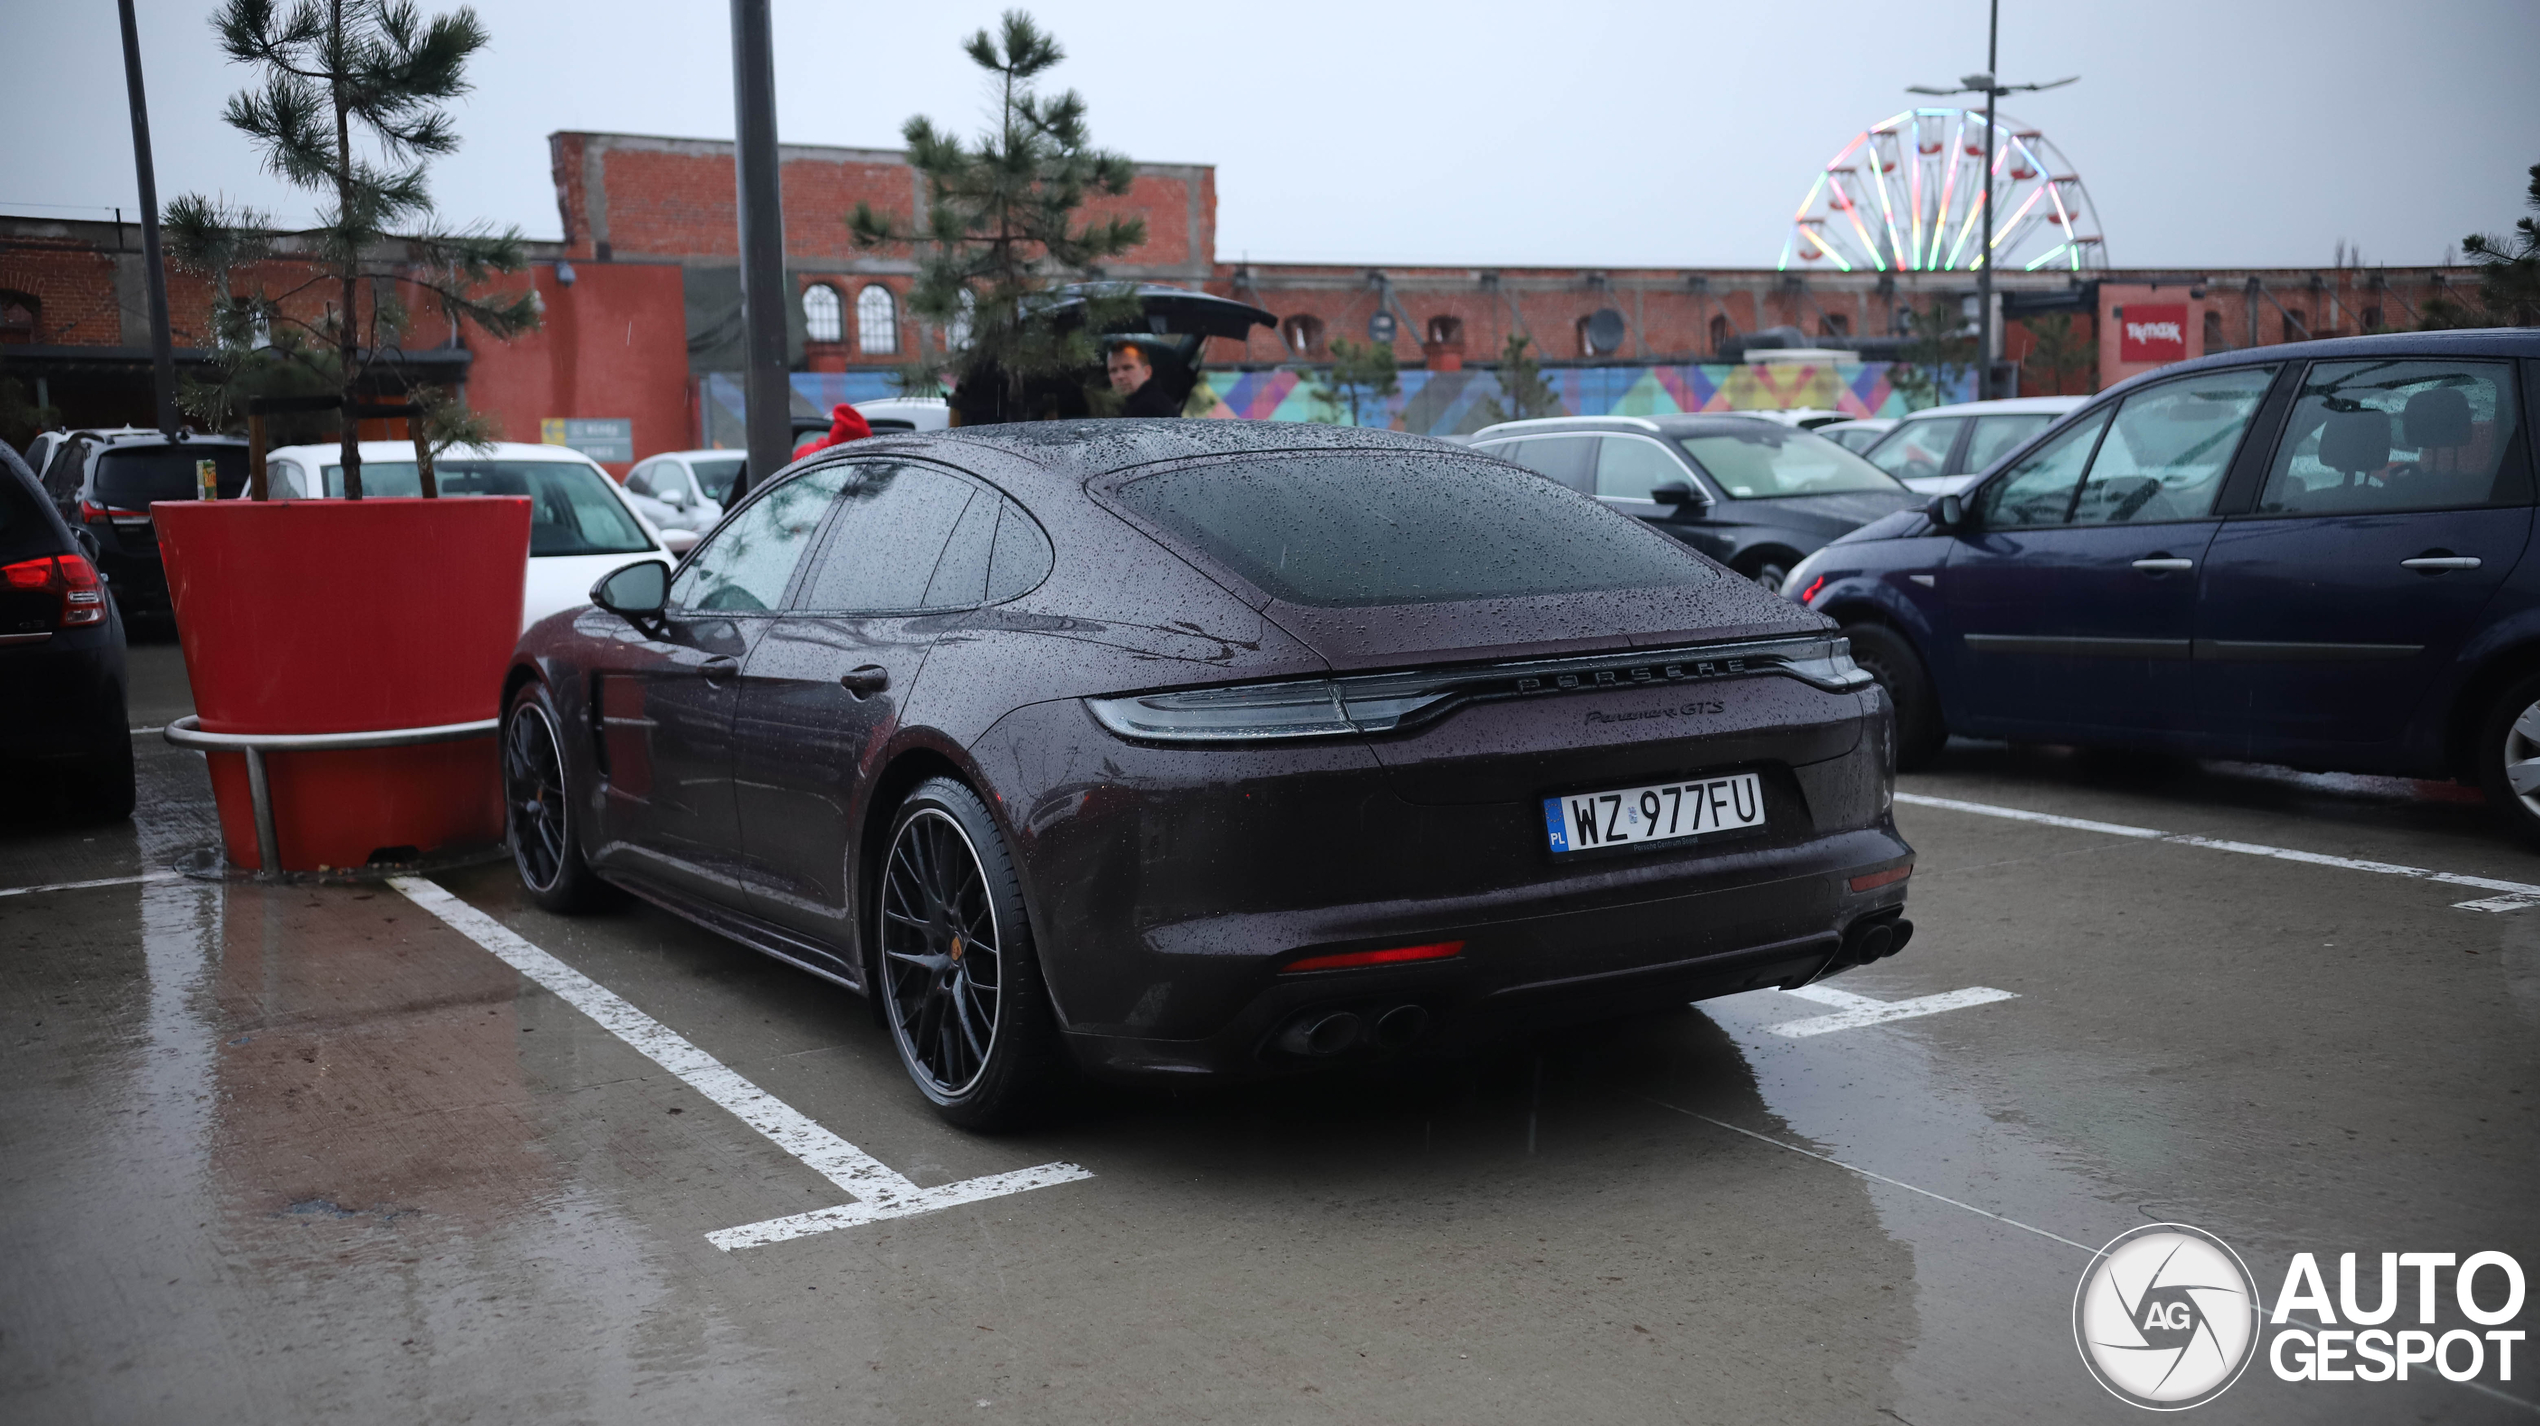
2314 554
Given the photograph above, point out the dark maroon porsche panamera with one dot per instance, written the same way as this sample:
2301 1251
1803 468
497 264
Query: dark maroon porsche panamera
1209 747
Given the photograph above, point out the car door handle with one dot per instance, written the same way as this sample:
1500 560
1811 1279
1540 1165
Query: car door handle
2436 564
720 666
866 681
2163 564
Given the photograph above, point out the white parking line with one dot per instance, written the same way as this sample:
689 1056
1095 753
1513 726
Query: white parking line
881 1192
84 885
2517 895
1853 1011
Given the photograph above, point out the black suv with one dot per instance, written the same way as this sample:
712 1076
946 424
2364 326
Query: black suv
61 653
1748 491
103 482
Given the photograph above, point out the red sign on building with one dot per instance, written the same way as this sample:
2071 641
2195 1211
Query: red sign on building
2152 331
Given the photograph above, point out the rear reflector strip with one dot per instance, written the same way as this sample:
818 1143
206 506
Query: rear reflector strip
1393 955
1872 881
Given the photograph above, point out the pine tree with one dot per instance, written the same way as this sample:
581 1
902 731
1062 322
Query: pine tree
2509 267
1523 393
2058 350
1362 374
1001 221
1938 354
332 67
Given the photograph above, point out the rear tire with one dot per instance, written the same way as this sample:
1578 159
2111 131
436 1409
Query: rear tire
1769 572
1891 660
2507 755
953 966
539 819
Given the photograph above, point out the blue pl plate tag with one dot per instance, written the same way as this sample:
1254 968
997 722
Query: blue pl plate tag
1559 824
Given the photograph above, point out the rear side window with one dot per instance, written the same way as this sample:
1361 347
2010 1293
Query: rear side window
131 479
1570 460
1359 530
2377 436
892 525
1023 556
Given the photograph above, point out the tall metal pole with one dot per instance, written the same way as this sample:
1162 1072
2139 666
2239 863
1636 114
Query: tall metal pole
1984 256
764 388
153 269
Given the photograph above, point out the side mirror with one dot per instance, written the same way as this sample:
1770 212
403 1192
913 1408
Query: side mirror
1679 495
676 497
637 591
1947 512
679 542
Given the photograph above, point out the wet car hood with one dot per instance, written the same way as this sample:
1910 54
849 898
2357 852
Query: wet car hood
1829 514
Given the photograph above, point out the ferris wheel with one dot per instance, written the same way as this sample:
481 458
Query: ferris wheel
1907 195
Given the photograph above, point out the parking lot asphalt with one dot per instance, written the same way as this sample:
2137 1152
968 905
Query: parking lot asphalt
311 1153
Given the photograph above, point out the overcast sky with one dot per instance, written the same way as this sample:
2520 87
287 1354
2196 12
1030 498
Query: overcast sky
1602 132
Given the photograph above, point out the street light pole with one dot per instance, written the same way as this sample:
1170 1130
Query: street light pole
765 391
1990 85
1984 255
154 273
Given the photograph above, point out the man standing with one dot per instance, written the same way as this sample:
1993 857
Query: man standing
1133 377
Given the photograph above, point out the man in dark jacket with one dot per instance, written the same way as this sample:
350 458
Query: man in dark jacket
1132 375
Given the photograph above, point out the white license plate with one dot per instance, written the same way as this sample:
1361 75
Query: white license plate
1667 812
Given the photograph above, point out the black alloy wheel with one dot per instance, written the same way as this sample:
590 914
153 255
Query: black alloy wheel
1888 658
537 809
958 984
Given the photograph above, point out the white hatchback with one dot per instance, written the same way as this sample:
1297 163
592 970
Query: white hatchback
581 524
1942 450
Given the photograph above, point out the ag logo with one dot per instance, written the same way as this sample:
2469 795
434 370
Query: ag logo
2164 1317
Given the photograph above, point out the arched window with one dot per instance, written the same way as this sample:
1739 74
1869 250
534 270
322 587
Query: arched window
1719 334
824 320
2372 319
2214 332
877 321
1446 331
1303 334
2297 328
19 312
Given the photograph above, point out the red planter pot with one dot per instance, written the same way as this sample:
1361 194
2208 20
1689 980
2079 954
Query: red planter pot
346 616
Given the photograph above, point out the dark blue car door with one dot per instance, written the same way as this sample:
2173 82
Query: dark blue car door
2395 503
2070 598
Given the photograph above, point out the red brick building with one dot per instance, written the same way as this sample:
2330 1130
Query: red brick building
642 297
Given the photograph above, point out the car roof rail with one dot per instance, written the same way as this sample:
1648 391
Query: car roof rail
1641 423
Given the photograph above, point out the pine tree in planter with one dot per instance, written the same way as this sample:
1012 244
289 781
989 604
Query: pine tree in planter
338 71
349 616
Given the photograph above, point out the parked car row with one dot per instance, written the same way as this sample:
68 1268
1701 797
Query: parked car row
2316 554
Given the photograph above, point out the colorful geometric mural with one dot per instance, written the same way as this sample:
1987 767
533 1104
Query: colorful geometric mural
1455 403
1435 403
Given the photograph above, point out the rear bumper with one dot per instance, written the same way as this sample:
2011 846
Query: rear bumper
1171 887
1784 923
64 697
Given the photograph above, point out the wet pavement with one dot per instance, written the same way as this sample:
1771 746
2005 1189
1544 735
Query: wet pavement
310 1154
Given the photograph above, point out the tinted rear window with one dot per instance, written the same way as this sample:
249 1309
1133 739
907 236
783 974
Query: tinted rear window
131 479
1355 530
571 511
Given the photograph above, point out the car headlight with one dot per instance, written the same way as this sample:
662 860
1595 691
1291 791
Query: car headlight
1392 702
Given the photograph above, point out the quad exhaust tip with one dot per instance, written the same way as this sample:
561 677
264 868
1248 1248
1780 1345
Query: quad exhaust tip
1321 1034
